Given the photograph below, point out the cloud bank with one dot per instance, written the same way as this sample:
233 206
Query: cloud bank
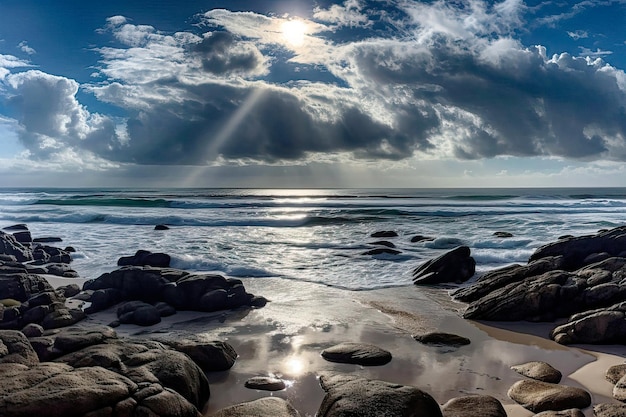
430 80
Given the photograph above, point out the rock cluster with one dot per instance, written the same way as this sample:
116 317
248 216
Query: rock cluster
93 372
579 278
157 292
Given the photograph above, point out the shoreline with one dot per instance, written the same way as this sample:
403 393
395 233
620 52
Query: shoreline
285 339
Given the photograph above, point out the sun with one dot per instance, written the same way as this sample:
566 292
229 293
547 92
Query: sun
294 31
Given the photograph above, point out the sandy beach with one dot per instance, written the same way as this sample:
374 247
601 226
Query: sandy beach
285 339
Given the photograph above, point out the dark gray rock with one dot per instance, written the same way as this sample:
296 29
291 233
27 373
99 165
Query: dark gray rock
349 395
384 233
540 396
503 235
263 407
10 246
540 371
619 390
24 237
20 226
383 243
421 238
265 383
22 286
69 290
211 356
473 406
32 330
454 266
382 251
146 258
139 313
440 338
15 348
600 326
161 227
357 353
51 239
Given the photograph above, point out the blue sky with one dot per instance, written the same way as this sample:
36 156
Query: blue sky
351 93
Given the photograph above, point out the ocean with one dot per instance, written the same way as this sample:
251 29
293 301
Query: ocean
314 235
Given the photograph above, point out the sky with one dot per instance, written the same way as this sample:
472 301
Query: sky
354 93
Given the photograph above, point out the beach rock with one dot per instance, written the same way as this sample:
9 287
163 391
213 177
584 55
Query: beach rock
145 258
572 412
615 373
420 238
47 240
502 235
383 243
58 390
15 348
540 396
139 313
10 246
600 326
211 356
161 227
619 390
61 270
357 353
20 226
349 395
263 407
72 339
266 383
454 266
576 249
381 251
540 371
69 290
32 330
24 237
473 406
62 317
609 410
384 233
440 338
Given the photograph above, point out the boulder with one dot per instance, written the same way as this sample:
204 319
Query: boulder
421 238
572 412
139 313
615 373
161 227
538 370
265 383
51 239
263 407
540 396
609 410
32 330
473 406
357 353
146 258
15 348
382 251
22 286
454 266
10 246
20 226
576 249
384 233
349 395
383 243
211 356
502 235
600 326
442 339
619 390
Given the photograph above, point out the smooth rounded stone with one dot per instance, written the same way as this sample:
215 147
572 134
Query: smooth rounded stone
32 330
421 238
440 338
144 257
540 371
139 313
357 353
210 356
19 226
62 317
615 373
384 233
502 235
454 266
609 410
58 390
572 412
383 243
540 396
263 407
72 339
619 390
69 290
349 395
266 383
161 227
473 406
15 348
382 251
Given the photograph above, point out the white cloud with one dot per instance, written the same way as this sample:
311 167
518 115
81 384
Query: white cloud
598 53
25 48
578 34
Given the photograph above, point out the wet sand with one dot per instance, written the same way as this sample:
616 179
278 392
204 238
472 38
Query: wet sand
285 338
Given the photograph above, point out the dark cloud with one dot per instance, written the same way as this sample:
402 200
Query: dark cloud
222 53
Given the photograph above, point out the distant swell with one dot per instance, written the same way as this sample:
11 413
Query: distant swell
105 202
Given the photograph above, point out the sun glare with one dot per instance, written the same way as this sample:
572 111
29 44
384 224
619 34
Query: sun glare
294 32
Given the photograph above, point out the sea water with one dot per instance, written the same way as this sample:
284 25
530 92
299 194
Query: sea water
315 235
